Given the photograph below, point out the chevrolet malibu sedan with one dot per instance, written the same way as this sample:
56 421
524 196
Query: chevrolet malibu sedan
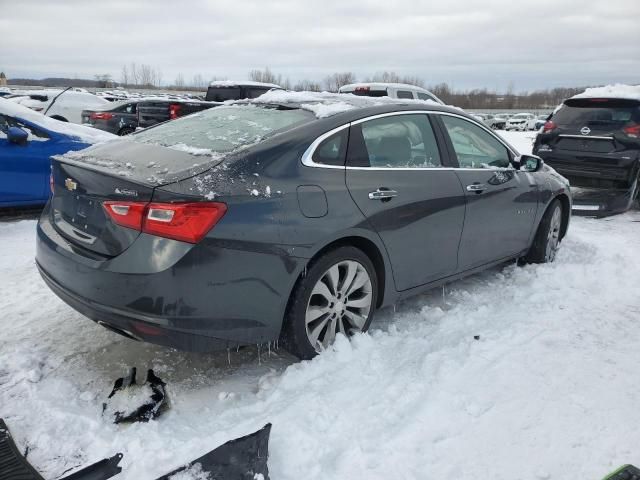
289 218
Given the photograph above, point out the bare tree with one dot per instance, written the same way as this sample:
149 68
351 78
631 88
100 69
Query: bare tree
307 85
198 81
124 76
133 71
333 82
179 81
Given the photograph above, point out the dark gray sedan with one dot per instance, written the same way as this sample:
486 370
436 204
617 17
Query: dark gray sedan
254 222
119 118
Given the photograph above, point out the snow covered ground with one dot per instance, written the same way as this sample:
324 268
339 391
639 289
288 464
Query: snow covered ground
549 390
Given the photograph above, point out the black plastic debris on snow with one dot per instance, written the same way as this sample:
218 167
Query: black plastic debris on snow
243 458
13 466
150 406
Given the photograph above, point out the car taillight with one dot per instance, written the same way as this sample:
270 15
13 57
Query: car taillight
548 126
187 222
174 110
362 89
101 116
632 130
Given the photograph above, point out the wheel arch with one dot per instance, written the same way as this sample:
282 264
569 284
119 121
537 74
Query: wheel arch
566 212
60 118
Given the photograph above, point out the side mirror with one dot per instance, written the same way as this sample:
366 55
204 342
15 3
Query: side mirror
17 135
529 163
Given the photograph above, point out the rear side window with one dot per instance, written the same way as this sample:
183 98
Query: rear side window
399 141
424 96
222 94
256 92
475 147
405 94
367 92
603 113
332 150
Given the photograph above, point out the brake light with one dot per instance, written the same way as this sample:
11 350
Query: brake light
548 126
362 89
187 222
100 116
632 130
174 110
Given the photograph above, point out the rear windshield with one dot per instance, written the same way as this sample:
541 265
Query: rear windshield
222 94
224 129
606 113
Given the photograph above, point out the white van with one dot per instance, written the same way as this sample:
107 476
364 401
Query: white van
393 90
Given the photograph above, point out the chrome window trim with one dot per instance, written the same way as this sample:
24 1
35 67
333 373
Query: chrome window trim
307 156
587 137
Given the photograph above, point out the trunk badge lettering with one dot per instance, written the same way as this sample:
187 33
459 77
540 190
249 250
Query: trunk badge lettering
585 130
70 185
126 192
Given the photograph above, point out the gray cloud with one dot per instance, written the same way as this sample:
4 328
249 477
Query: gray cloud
467 43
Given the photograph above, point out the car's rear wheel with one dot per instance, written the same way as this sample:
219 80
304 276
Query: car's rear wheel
548 237
337 295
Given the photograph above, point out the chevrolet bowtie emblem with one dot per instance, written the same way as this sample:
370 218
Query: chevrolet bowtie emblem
70 184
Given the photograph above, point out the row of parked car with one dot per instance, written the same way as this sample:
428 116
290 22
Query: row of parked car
509 121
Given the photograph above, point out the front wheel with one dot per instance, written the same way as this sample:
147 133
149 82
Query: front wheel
548 237
338 294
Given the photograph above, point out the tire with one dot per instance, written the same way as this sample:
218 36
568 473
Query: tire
317 311
547 239
126 131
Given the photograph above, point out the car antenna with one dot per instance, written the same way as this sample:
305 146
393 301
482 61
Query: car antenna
54 100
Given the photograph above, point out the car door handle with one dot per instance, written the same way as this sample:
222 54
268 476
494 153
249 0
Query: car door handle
382 194
476 187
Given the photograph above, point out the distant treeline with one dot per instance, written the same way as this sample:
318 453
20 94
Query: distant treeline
147 77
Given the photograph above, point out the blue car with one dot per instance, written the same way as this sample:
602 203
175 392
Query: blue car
27 141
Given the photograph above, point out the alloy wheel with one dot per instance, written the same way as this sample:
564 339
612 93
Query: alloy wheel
553 237
340 302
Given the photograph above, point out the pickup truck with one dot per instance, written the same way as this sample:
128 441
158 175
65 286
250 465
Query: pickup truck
151 112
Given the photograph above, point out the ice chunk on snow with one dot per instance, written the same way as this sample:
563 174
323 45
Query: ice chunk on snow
322 110
194 472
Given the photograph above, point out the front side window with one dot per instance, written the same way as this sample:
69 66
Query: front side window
222 94
405 94
256 92
34 133
474 147
398 141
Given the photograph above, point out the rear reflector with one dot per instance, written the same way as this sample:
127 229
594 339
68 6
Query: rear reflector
187 222
548 126
101 116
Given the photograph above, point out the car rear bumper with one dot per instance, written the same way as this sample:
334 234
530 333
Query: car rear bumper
595 202
198 298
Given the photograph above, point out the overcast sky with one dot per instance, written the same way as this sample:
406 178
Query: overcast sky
467 43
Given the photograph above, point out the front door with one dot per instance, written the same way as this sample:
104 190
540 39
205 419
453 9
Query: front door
396 177
501 201
24 169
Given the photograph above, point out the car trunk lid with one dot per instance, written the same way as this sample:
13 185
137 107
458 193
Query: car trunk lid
120 170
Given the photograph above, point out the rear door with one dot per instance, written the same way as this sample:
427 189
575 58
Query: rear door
396 175
501 202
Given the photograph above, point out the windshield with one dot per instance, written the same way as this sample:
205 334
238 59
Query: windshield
223 129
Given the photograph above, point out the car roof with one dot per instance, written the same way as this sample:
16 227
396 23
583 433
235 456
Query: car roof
383 85
242 83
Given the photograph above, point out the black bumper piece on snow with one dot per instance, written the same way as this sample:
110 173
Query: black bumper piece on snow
243 458
13 466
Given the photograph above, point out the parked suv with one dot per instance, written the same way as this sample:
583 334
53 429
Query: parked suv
223 90
151 112
595 143
393 90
